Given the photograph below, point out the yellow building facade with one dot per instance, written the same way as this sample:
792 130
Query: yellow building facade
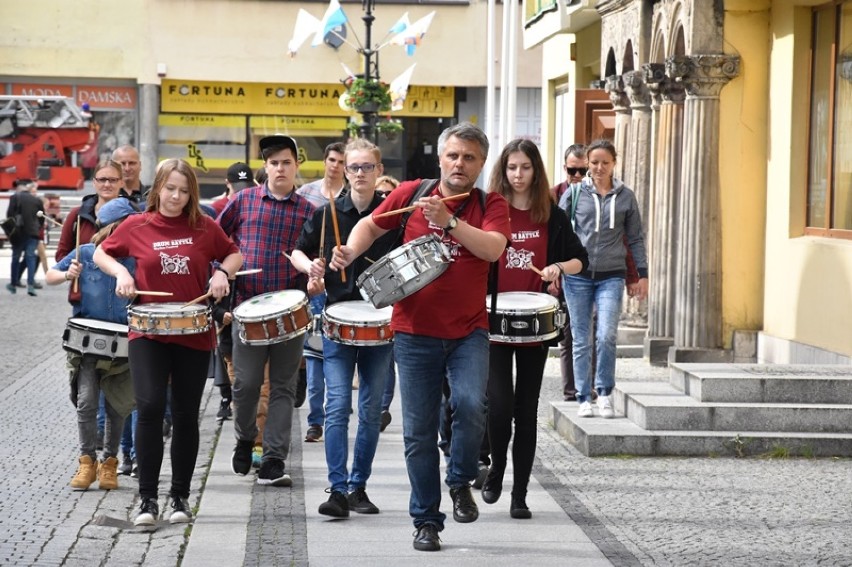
771 149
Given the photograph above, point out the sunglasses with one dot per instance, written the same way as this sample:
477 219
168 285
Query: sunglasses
577 170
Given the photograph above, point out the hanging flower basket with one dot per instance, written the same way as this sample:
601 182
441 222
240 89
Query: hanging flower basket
390 128
368 96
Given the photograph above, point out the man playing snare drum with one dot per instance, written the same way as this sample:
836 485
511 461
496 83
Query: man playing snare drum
265 222
348 491
441 331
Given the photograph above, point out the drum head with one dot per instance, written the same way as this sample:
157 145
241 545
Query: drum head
270 303
523 302
97 324
357 312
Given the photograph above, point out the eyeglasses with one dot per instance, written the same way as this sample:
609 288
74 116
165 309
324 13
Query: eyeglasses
365 167
577 170
107 179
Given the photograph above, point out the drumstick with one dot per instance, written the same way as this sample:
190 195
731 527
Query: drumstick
76 285
157 293
248 272
197 299
412 207
41 214
533 268
322 237
336 235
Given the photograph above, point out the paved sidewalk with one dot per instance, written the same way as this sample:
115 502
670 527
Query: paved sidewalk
226 513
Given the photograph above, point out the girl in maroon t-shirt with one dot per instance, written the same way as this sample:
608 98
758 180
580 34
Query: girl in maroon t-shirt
173 244
542 238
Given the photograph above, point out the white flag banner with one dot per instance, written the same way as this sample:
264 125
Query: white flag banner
306 26
333 17
399 88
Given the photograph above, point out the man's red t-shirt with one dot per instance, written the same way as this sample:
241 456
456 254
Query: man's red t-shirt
453 305
171 256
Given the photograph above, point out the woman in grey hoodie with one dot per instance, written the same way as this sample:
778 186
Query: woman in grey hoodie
604 211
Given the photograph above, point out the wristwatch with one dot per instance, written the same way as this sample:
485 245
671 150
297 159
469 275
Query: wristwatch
451 224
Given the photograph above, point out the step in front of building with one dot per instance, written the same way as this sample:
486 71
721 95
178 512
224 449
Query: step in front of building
598 437
722 408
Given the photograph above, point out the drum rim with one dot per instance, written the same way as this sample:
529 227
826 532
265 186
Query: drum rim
303 302
72 322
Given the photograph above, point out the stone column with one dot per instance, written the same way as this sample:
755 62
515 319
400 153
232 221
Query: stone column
638 169
698 294
621 106
663 230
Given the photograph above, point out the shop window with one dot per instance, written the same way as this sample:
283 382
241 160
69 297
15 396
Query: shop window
830 145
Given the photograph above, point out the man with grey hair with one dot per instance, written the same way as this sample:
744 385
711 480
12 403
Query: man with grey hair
441 332
131 167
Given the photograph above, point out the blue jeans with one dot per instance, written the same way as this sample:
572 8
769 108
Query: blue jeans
28 248
339 366
315 374
583 296
128 448
390 386
423 364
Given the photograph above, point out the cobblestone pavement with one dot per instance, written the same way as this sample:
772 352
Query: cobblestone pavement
638 511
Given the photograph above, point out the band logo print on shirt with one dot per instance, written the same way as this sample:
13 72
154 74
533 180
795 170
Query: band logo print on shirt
176 264
519 259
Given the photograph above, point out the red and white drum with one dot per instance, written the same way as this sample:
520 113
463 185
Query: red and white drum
273 317
169 318
524 317
357 323
101 339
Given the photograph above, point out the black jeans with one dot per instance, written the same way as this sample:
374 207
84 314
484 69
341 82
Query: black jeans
514 400
155 368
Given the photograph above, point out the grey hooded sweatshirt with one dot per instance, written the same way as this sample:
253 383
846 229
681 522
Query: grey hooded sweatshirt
602 223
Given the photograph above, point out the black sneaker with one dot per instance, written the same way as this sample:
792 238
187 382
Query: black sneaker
480 477
337 505
386 419
360 502
314 434
148 512
426 538
224 410
181 513
272 473
464 506
241 459
126 466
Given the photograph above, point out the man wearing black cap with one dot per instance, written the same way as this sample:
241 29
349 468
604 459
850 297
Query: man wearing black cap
239 177
265 222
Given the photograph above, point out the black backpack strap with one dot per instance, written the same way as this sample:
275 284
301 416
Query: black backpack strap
422 190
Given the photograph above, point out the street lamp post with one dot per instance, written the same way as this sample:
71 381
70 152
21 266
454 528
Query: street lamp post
368 126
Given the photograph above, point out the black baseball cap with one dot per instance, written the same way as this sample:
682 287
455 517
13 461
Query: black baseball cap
240 176
277 142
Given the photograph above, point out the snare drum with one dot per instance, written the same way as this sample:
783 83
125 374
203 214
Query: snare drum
101 339
357 323
273 317
524 317
169 318
404 270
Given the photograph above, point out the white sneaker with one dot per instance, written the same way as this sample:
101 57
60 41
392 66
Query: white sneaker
605 407
585 409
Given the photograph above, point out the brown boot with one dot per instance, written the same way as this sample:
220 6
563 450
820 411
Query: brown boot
108 474
86 474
